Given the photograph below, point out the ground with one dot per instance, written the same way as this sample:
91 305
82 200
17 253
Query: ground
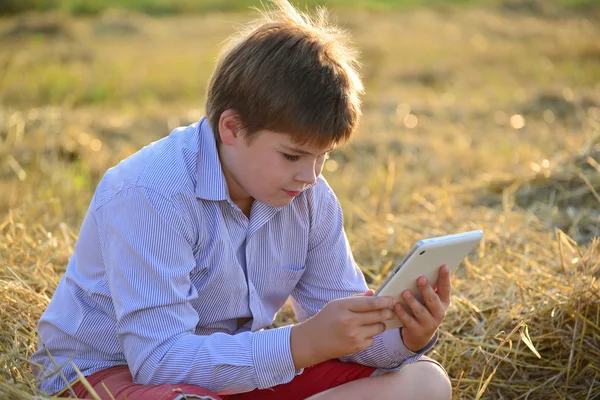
479 117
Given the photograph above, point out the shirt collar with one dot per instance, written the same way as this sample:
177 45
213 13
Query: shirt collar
211 184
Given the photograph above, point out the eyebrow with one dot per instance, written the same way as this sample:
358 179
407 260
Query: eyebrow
303 152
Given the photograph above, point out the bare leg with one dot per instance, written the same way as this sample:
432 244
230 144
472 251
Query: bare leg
417 381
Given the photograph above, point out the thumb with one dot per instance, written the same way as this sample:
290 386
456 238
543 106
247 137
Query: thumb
369 292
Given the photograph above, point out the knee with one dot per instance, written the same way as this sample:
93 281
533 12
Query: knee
428 379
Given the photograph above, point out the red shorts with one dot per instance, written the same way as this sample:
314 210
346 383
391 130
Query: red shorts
313 380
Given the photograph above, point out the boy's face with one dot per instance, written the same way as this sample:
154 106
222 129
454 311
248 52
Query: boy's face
271 169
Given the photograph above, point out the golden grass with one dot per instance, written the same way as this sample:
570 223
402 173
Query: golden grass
525 315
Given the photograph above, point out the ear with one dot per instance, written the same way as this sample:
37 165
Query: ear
229 127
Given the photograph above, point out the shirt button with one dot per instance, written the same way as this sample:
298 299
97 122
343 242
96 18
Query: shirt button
397 352
279 378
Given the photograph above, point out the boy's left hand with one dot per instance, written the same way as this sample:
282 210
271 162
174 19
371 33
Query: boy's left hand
418 330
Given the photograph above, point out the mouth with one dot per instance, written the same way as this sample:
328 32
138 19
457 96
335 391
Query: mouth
292 193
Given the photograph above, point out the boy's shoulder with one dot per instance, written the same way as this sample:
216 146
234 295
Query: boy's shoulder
167 166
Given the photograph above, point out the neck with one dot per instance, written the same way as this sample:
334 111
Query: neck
238 195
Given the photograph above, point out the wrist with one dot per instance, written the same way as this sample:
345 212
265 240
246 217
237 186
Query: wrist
303 352
411 345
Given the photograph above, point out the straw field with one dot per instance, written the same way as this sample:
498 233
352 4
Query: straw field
479 117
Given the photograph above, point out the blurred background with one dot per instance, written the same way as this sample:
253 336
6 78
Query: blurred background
478 114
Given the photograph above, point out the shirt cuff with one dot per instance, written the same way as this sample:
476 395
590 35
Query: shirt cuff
392 341
272 356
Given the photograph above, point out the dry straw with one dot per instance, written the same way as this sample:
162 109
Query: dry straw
525 316
524 322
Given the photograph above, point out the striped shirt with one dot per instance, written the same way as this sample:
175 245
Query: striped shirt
166 265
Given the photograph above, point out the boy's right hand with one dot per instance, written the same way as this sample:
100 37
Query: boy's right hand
342 327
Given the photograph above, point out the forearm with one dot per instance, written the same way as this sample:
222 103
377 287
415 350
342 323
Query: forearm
222 363
388 351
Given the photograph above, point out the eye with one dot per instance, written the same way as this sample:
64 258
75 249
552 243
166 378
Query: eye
290 157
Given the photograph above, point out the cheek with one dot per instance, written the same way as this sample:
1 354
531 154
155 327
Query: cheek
274 170
319 167
265 163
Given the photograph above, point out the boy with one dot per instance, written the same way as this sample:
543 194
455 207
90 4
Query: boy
192 245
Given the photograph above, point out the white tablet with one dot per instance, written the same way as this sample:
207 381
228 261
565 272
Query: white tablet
425 259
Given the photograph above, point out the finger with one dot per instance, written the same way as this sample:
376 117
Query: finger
368 342
432 300
420 312
374 317
404 317
443 285
373 330
367 303
369 292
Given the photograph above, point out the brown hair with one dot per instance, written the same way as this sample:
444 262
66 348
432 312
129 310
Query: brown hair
289 73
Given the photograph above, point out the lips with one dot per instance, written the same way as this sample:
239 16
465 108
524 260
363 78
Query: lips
292 193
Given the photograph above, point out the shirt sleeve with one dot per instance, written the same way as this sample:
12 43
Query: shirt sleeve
147 246
332 273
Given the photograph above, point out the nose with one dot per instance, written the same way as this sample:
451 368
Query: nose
308 173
